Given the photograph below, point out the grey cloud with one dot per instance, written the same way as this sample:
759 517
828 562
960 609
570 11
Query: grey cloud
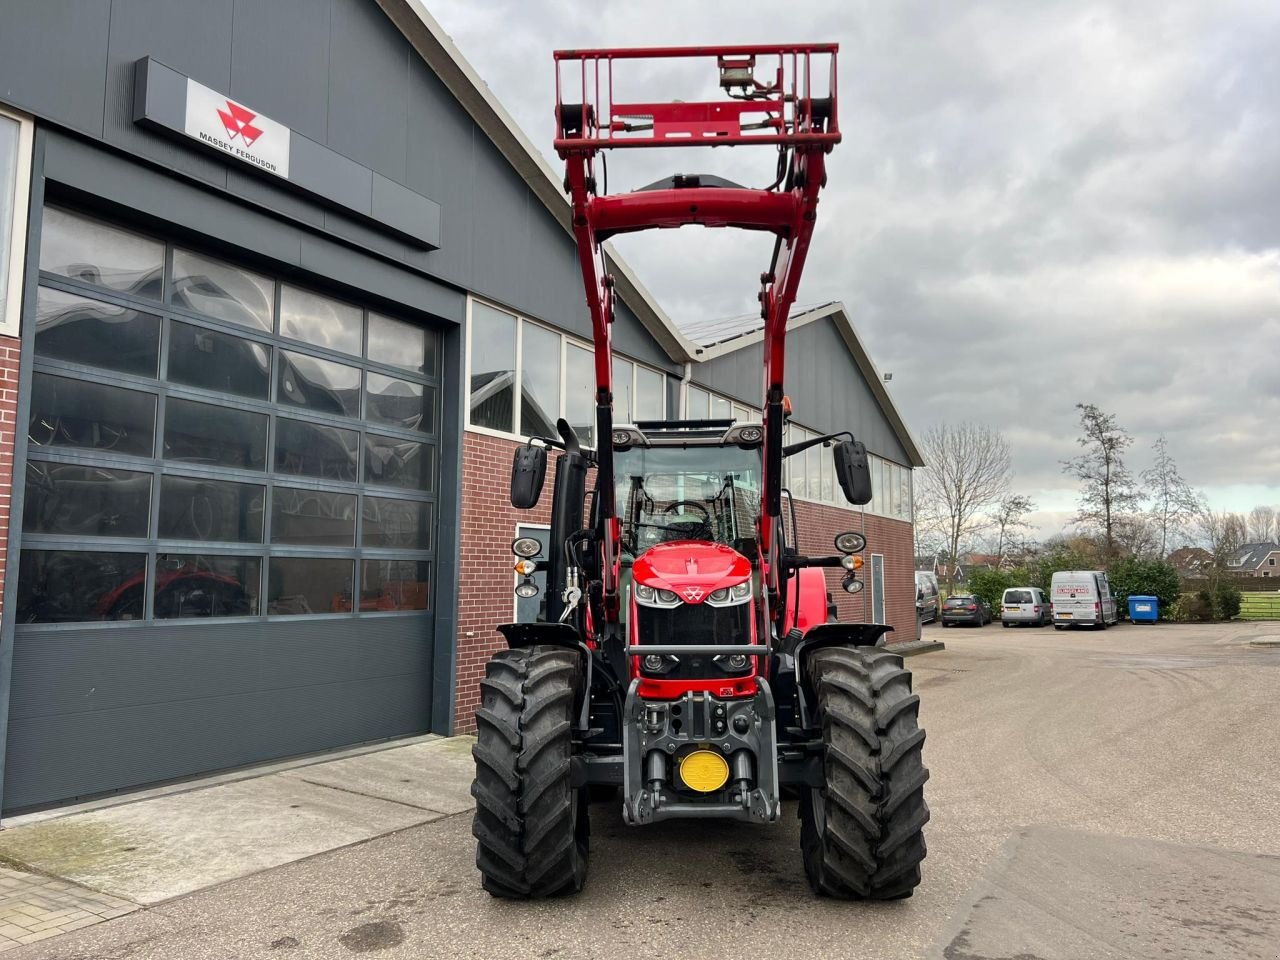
1035 205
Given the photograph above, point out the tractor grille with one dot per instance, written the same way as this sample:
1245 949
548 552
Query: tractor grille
694 624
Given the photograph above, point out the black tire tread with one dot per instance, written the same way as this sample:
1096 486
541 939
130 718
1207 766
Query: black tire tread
530 824
872 841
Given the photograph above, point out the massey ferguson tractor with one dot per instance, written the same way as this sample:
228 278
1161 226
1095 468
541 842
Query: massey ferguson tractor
686 657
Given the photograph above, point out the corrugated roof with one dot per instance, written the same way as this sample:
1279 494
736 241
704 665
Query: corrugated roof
714 330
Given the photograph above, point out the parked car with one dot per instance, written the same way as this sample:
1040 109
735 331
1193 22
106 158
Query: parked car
1082 597
966 608
927 599
1025 605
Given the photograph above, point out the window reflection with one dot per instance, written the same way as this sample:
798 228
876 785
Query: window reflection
580 392
218 361
75 413
396 523
192 508
540 386
321 321
398 463
313 450
222 290
395 585
196 585
312 516
401 344
75 500
302 585
319 385
80 330
210 434
493 368
94 252
64 586
623 371
401 403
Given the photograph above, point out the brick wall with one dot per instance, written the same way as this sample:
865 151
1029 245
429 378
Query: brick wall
489 524
10 352
818 524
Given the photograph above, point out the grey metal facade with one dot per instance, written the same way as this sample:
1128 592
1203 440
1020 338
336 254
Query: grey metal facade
828 392
93 707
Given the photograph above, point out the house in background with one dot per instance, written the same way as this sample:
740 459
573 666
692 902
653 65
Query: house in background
1256 560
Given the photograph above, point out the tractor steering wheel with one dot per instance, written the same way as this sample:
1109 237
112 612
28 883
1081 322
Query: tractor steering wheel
671 508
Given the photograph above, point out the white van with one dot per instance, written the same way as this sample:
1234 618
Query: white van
927 600
1025 605
1084 597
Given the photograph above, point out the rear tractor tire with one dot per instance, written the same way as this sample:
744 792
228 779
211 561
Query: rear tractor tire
862 835
530 825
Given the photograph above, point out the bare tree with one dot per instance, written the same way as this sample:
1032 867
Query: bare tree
1223 534
1173 502
968 472
1109 489
1009 516
1262 525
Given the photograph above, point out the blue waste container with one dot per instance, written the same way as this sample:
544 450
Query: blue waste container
1144 609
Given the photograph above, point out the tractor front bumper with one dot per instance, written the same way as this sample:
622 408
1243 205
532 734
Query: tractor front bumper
700 756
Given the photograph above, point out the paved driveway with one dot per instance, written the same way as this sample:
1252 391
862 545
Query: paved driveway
1094 795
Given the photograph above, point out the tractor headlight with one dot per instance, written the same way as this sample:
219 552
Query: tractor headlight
851 562
851 584
655 596
527 590
730 596
653 663
851 542
526 568
526 547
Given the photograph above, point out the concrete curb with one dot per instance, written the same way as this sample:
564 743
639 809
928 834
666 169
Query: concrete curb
913 647
1265 642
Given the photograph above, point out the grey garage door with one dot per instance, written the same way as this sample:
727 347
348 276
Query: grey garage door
228 520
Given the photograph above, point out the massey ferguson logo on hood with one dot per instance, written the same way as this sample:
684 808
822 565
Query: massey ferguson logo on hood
239 123
693 594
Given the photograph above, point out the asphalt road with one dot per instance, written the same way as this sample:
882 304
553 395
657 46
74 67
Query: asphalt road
1093 795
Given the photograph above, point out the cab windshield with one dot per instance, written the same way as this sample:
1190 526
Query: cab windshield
709 493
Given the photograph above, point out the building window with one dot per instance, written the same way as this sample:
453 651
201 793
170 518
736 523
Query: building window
256 449
702 404
877 588
555 375
15 177
810 475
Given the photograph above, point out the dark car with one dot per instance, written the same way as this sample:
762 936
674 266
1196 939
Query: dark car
966 608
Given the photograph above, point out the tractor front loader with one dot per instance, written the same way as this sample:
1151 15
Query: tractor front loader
685 658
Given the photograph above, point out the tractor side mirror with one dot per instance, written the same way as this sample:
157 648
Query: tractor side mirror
528 471
853 471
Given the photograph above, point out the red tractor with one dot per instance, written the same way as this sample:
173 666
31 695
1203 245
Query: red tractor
685 654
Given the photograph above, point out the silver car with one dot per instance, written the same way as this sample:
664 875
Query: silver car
1025 605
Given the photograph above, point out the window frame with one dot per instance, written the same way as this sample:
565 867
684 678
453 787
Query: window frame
566 339
11 302
162 390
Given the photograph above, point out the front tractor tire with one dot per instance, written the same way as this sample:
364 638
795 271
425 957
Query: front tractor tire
531 825
861 835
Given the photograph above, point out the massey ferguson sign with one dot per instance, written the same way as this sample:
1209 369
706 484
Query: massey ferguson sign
235 129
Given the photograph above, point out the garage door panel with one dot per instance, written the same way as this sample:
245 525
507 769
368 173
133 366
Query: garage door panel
79 671
227 551
61 757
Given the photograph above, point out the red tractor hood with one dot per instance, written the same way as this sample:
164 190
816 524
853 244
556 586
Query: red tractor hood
691 569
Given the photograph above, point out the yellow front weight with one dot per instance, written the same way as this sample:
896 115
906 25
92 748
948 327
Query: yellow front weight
704 770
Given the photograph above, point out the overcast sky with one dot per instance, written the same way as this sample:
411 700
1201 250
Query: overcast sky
1035 204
